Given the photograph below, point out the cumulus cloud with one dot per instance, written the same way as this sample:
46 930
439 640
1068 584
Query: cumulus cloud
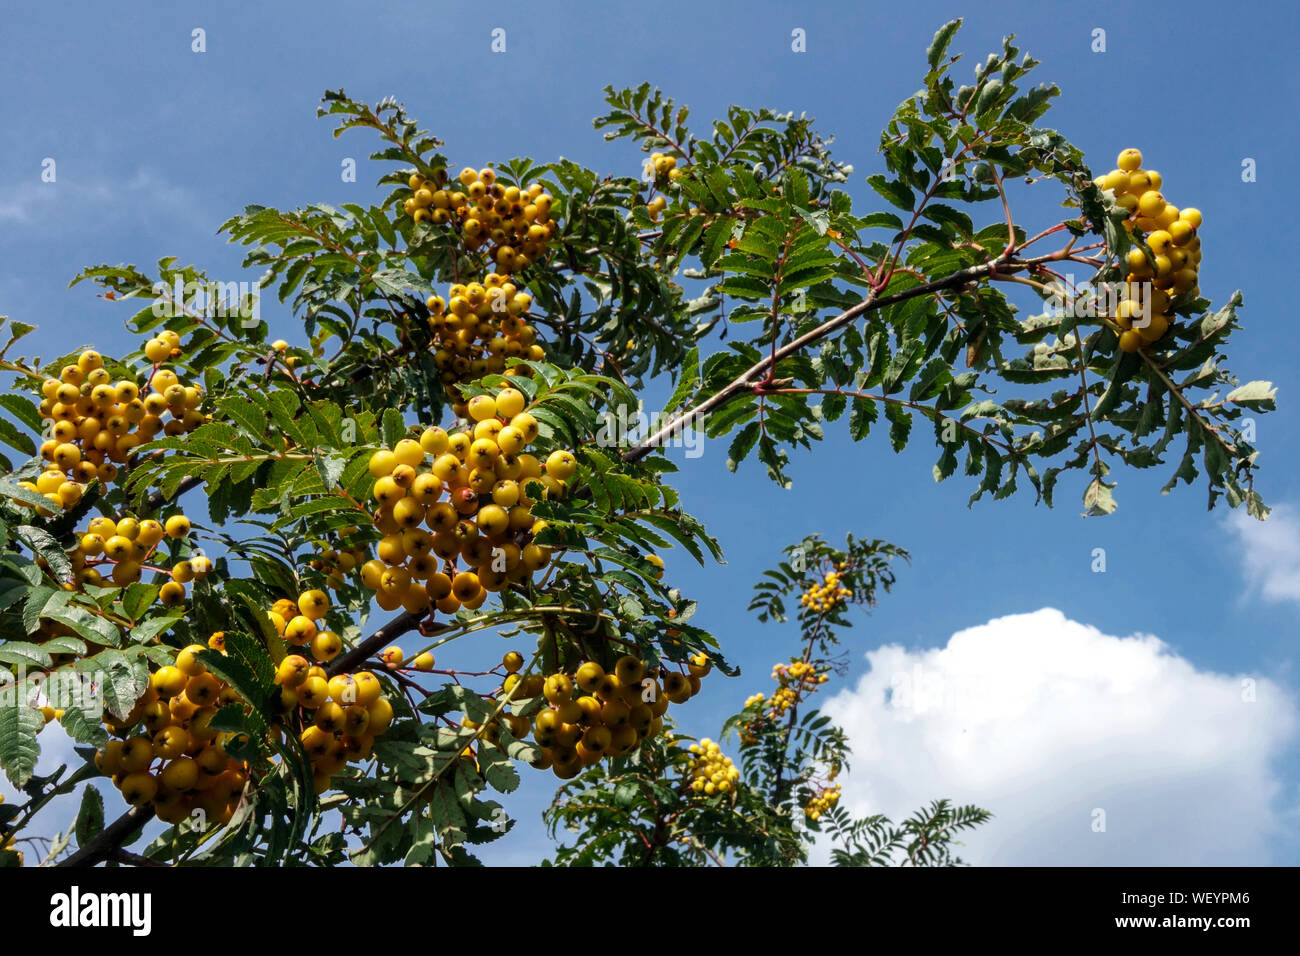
1058 728
1270 552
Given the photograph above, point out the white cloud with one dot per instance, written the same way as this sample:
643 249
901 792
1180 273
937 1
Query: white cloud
1043 720
1270 552
33 201
18 203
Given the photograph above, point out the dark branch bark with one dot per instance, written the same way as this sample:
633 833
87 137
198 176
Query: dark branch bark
110 839
395 628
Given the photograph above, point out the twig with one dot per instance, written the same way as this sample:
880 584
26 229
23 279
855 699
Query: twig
746 380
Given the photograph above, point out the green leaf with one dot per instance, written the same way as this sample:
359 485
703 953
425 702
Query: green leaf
900 425
146 631
43 543
499 773
24 653
82 728
947 463
742 445
939 45
393 429
1260 396
892 190
862 415
137 599
247 414
19 725
237 674
1097 499
446 813
91 626
11 489
124 680
23 409
882 220
12 437
90 818
690 375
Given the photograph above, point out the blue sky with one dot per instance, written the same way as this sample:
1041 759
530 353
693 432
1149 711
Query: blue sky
156 145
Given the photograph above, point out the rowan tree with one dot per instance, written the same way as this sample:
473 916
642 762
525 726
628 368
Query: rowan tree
426 462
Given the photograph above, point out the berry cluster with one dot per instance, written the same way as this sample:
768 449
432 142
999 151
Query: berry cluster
179 764
97 423
472 500
127 546
514 225
665 169
825 596
711 771
340 560
1172 235
341 715
822 801
300 624
481 328
795 681
612 712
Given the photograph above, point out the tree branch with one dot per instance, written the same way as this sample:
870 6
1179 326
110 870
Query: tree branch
110 839
408 622
871 303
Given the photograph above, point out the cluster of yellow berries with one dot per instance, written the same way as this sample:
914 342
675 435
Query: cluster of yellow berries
127 545
340 560
825 596
472 500
96 423
1143 313
795 680
665 168
482 328
822 801
281 346
342 715
611 713
177 762
711 771
300 623
514 224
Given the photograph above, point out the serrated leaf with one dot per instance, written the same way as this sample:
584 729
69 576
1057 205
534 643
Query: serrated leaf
892 190
43 543
939 45
393 428
1097 498
19 751
1260 396
90 818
